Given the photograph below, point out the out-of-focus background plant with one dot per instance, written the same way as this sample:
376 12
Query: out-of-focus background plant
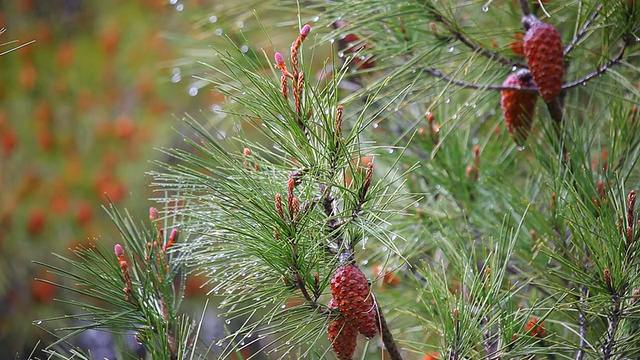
81 111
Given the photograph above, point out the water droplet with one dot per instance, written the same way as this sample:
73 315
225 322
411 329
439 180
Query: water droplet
193 91
218 31
447 100
316 18
227 321
216 108
390 151
38 322
240 24
584 83
451 49
283 306
244 48
176 70
258 298
176 78
520 148
213 19
375 125
180 7
173 2
485 8
331 41
341 54
365 262
455 116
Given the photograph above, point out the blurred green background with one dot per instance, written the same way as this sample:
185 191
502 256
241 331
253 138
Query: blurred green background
81 111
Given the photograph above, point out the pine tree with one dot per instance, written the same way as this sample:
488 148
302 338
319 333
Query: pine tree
386 195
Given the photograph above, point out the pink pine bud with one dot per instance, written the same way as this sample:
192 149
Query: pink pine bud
279 59
306 29
172 239
153 213
118 250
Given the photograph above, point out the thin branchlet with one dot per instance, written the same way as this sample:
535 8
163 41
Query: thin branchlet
466 41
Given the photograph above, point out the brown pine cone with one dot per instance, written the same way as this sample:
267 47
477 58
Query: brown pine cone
543 51
518 107
351 291
343 335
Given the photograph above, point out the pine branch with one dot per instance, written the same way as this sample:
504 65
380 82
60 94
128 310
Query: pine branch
470 44
469 85
614 321
387 338
582 323
582 81
599 71
583 30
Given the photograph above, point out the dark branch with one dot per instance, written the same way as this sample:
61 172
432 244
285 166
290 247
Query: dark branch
387 337
598 71
555 110
303 288
470 44
582 321
469 85
614 321
524 6
583 30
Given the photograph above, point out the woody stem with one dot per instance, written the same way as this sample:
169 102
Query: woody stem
470 44
583 30
387 337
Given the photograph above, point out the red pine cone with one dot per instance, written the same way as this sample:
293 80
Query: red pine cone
543 51
343 335
519 107
351 290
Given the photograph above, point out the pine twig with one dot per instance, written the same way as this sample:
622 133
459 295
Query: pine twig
387 338
582 320
614 321
469 85
524 6
582 31
303 288
599 71
470 44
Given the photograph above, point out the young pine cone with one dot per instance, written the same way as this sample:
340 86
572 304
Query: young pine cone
343 335
543 51
353 296
519 107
